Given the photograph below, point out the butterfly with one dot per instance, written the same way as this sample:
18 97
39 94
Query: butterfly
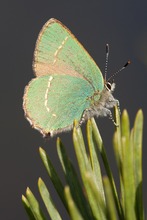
68 84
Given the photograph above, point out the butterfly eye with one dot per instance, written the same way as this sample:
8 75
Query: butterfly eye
108 86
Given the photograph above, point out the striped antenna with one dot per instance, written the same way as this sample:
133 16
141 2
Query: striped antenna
119 70
106 63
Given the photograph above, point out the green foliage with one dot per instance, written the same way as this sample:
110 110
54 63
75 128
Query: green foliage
96 197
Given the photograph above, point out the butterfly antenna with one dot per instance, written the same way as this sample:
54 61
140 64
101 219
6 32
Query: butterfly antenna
119 70
106 64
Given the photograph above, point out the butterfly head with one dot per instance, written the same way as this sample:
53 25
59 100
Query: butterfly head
110 86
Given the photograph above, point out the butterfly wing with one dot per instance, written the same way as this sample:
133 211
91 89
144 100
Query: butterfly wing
58 51
52 102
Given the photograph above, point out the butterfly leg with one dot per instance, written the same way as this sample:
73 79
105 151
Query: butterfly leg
87 114
84 116
113 102
109 113
103 111
118 106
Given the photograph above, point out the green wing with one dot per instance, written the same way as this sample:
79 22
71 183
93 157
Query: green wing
58 51
52 102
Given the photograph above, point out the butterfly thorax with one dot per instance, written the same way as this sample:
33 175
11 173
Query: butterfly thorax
101 102
95 97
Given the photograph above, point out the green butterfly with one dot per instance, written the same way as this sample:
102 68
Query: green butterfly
68 84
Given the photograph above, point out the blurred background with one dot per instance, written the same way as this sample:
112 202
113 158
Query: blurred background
122 24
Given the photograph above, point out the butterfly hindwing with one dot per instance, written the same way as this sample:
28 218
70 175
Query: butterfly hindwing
52 102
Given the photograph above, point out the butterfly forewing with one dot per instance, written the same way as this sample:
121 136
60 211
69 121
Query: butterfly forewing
58 52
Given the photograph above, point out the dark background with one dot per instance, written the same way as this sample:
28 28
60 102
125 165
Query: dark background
122 24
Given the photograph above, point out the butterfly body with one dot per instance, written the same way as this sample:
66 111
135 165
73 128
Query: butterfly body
68 84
